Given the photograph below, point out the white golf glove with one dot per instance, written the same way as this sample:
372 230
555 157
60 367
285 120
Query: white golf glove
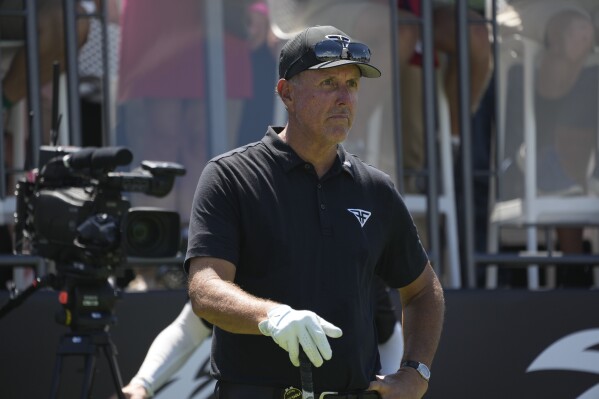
291 328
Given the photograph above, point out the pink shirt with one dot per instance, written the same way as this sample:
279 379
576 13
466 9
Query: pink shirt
162 52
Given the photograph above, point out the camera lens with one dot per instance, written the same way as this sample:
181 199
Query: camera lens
142 233
151 232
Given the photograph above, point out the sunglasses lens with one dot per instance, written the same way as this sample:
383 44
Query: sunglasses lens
358 52
328 50
331 50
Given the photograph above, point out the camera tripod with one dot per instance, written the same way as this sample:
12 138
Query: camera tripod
88 310
87 344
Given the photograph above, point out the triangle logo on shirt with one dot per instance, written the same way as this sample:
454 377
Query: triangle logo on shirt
361 215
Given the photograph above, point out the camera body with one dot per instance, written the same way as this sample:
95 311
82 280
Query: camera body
73 210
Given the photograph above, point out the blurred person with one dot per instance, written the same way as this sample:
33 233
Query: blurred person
51 42
161 101
51 48
445 56
169 351
566 97
445 45
258 111
251 264
162 88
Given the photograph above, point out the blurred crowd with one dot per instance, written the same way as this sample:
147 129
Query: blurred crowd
159 73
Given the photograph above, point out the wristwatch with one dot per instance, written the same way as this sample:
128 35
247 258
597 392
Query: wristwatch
421 368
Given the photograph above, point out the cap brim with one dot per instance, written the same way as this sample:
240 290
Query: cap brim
367 70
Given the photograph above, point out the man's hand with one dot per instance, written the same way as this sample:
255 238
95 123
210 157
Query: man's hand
405 384
135 391
291 328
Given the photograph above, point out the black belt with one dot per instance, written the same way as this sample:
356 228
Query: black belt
227 390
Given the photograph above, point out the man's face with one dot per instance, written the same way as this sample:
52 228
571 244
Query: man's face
324 102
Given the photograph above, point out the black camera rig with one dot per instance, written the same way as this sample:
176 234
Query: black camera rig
73 211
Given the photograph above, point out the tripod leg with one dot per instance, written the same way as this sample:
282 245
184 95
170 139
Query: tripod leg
56 377
88 379
114 370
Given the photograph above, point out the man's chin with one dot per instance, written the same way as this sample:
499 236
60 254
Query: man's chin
339 134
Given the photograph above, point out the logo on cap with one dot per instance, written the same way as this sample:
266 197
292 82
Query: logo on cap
339 38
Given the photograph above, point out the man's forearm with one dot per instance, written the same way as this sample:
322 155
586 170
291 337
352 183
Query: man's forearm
225 304
422 324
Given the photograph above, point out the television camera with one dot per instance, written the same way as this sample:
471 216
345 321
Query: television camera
73 210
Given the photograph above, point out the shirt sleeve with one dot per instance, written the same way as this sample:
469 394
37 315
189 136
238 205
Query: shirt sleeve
214 221
404 258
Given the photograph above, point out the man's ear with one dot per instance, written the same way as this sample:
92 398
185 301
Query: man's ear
284 90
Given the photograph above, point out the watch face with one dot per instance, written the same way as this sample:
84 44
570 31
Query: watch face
424 371
422 368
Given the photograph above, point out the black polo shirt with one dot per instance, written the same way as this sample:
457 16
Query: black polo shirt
306 242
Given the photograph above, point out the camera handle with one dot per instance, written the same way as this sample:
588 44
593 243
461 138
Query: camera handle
39 282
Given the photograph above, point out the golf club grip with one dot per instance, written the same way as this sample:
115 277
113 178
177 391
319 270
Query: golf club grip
306 376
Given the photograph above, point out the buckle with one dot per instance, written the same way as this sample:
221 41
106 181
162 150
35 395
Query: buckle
327 393
292 393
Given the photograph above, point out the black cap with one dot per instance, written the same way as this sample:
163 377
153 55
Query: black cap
298 55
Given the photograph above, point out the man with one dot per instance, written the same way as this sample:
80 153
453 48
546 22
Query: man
296 222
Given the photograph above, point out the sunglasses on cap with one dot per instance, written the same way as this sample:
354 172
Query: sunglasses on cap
339 47
334 48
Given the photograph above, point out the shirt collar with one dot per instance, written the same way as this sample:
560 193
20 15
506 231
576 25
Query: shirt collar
288 159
